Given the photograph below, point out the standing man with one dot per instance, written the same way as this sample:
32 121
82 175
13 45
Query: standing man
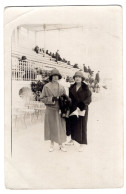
96 82
58 58
85 68
89 70
97 77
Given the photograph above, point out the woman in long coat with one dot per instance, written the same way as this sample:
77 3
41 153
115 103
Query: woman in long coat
81 98
54 125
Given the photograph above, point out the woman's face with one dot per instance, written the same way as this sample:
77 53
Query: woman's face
78 79
55 78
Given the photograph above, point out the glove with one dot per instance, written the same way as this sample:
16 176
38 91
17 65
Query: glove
54 98
81 106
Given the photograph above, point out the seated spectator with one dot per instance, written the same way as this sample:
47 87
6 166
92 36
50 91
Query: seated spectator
68 63
50 54
47 52
43 50
76 66
63 60
53 55
36 49
23 58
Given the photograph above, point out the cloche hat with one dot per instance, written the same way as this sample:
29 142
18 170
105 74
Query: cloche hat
55 72
79 74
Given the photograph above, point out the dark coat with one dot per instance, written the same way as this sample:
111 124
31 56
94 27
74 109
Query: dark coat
81 99
85 69
58 58
97 77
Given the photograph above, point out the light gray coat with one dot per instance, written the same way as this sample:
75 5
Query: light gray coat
54 125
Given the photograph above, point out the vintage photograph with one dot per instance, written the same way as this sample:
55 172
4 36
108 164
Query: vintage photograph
63 97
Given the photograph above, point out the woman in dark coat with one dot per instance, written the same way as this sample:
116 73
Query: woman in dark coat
81 98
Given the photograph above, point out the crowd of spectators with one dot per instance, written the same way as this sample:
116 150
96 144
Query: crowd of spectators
55 56
92 80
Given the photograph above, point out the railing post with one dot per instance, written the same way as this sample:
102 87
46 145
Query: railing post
30 70
44 26
18 36
59 39
26 71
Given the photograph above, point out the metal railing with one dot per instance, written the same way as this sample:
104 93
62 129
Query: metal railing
23 70
27 69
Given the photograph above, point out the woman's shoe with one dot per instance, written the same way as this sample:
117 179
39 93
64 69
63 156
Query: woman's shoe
62 148
71 142
81 148
51 149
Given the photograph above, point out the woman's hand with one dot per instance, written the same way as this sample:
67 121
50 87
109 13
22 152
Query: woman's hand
81 106
55 98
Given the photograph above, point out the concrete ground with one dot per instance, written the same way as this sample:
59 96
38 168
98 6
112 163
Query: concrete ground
32 166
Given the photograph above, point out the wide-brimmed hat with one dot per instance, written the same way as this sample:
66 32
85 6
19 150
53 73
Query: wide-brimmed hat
79 74
55 72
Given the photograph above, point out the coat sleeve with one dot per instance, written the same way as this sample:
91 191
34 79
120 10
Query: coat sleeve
45 98
88 98
71 99
70 94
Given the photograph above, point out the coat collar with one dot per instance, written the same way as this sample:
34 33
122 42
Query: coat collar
83 86
50 87
73 89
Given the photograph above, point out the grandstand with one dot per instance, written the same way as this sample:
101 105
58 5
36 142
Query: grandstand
24 72
35 61
24 39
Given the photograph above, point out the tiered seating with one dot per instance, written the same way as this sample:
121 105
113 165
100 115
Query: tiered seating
37 57
37 60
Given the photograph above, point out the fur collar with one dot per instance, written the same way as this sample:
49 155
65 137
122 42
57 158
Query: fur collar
84 86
